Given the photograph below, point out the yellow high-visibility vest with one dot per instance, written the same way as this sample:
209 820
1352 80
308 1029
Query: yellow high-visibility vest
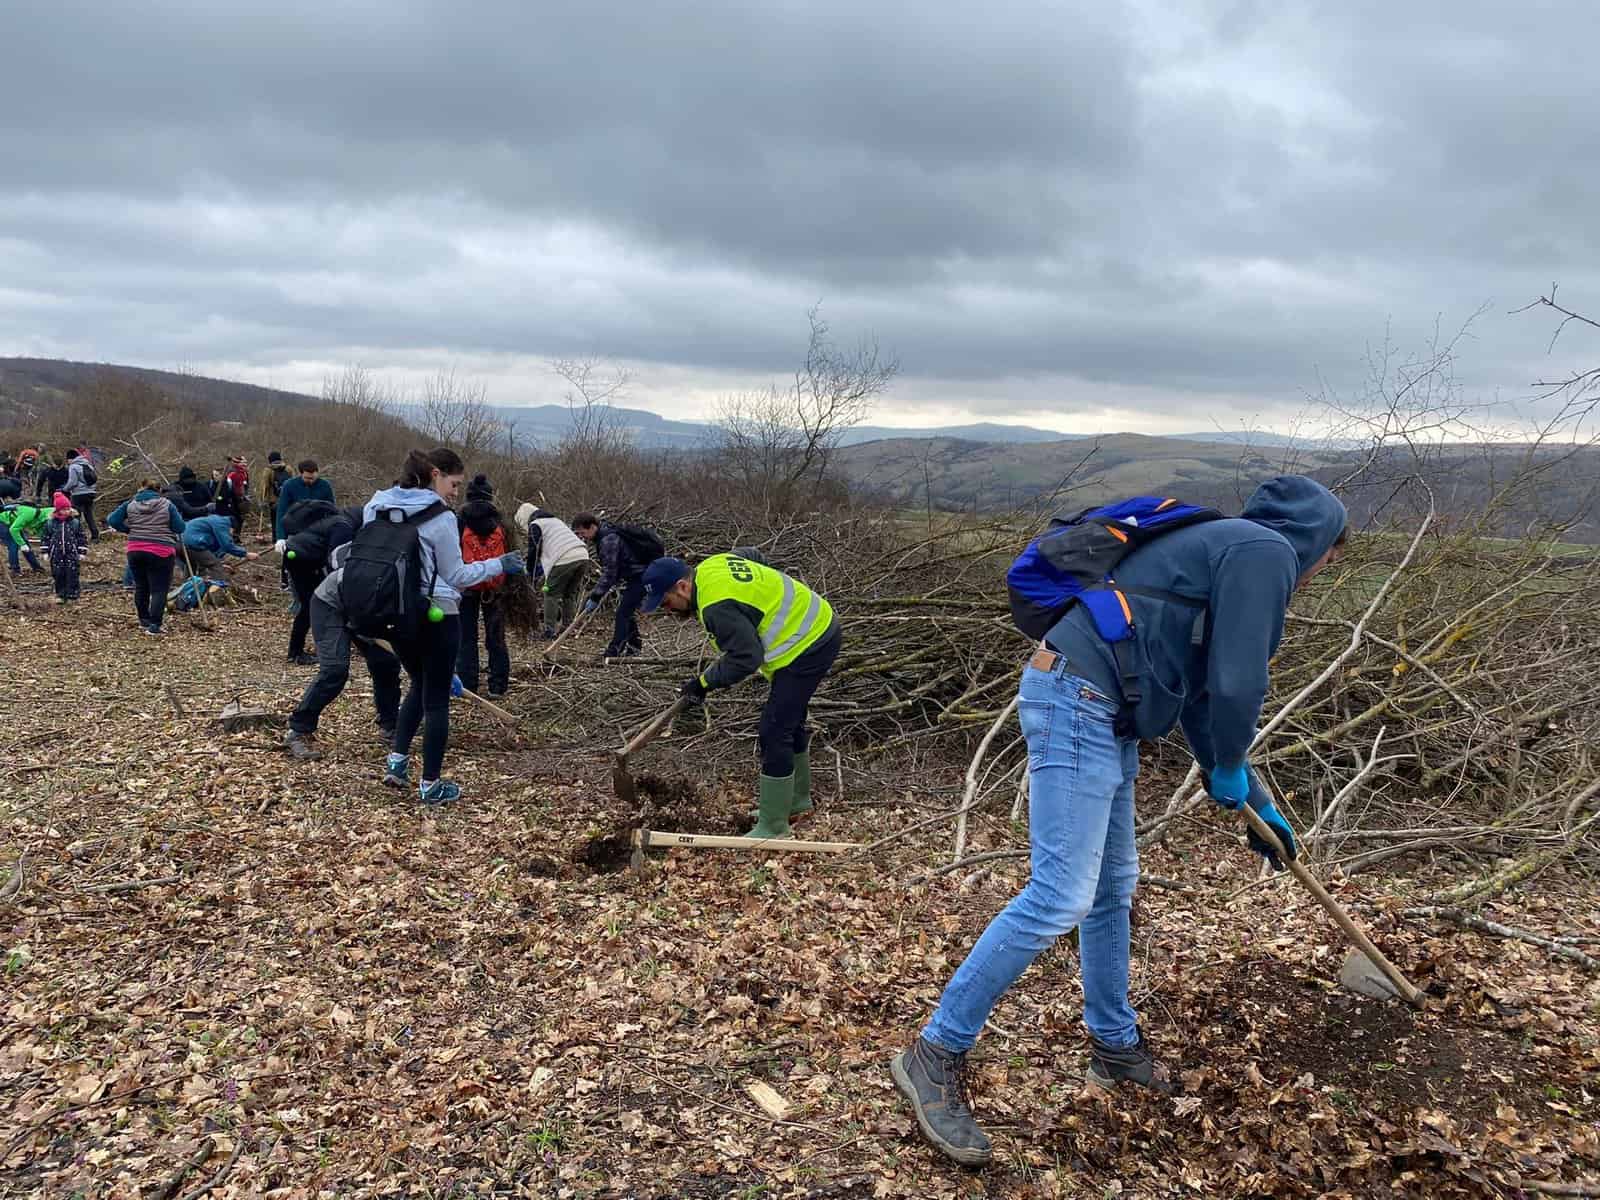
793 617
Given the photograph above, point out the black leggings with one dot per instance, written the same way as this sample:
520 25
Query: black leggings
430 661
782 732
152 576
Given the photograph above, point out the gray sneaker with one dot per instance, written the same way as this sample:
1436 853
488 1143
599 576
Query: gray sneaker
1110 1065
302 747
934 1080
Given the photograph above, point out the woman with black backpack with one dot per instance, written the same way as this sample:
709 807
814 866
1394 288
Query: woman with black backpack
403 581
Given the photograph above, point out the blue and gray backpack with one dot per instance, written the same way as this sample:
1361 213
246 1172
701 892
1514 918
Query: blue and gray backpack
1072 562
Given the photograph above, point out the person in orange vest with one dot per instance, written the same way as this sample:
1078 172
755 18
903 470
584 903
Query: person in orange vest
483 536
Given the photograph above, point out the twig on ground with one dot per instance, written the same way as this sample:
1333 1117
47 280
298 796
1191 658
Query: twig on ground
1477 924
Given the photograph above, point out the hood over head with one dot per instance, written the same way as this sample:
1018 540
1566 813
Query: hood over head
1303 511
407 500
480 516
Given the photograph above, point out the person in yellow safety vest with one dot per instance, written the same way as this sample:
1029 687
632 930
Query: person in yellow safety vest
759 619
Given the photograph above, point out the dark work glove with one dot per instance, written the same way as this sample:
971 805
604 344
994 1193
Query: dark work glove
694 691
1261 801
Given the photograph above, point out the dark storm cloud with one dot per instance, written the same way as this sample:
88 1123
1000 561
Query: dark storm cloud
1223 198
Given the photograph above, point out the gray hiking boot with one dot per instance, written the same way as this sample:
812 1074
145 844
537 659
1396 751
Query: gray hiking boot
933 1079
302 747
1110 1065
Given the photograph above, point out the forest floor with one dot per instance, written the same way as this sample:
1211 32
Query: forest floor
220 968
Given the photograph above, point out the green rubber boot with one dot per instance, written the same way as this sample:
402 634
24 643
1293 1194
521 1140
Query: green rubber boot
802 786
776 797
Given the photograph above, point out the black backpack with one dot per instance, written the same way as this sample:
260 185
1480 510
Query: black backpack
88 474
382 590
644 547
303 514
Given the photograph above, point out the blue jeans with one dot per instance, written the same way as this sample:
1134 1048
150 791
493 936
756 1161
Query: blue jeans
1085 866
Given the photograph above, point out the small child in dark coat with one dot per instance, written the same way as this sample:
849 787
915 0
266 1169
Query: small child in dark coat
65 543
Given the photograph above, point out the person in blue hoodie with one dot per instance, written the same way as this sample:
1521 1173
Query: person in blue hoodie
1205 647
307 485
209 540
429 658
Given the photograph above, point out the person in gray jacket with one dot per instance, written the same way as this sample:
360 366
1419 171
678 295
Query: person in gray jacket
82 487
428 480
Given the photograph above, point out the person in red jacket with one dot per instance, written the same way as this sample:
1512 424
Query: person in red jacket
483 536
238 482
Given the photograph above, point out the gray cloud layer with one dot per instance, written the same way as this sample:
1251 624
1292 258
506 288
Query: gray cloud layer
1160 198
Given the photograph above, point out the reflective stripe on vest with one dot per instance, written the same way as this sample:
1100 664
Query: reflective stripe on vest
792 615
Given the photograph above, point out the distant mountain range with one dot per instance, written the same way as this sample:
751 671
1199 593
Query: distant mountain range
546 424
27 384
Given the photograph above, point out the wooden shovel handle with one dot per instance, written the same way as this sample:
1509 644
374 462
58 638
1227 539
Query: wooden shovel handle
1362 942
577 623
655 727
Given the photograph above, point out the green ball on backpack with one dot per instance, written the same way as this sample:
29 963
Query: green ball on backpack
435 613
289 555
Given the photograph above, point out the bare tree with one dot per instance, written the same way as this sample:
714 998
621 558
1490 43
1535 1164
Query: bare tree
456 412
594 387
780 442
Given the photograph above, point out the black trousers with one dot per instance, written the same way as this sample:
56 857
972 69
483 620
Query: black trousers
782 733
152 576
333 672
494 636
304 581
430 661
625 637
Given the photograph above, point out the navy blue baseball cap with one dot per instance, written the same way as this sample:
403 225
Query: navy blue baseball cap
659 576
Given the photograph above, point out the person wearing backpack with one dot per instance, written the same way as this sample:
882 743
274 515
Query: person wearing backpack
313 529
1202 607
334 643
483 536
153 527
402 582
625 551
82 488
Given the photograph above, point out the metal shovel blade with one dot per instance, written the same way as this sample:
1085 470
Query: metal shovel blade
1361 976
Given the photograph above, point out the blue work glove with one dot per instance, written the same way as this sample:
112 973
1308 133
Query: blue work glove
1229 786
513 564
590 605
1261 801
456 689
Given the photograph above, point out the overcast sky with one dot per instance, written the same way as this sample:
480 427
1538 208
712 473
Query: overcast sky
1127 215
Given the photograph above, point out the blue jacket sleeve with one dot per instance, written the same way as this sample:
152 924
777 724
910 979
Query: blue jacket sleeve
175 518
118 519
290 486
1252 583
1196 722
229 546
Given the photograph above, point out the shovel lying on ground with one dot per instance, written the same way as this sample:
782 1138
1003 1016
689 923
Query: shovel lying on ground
650 839
621 781
1365 970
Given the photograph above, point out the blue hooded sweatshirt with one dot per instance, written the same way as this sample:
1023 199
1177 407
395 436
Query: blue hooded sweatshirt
1206 665
212 534
440 537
